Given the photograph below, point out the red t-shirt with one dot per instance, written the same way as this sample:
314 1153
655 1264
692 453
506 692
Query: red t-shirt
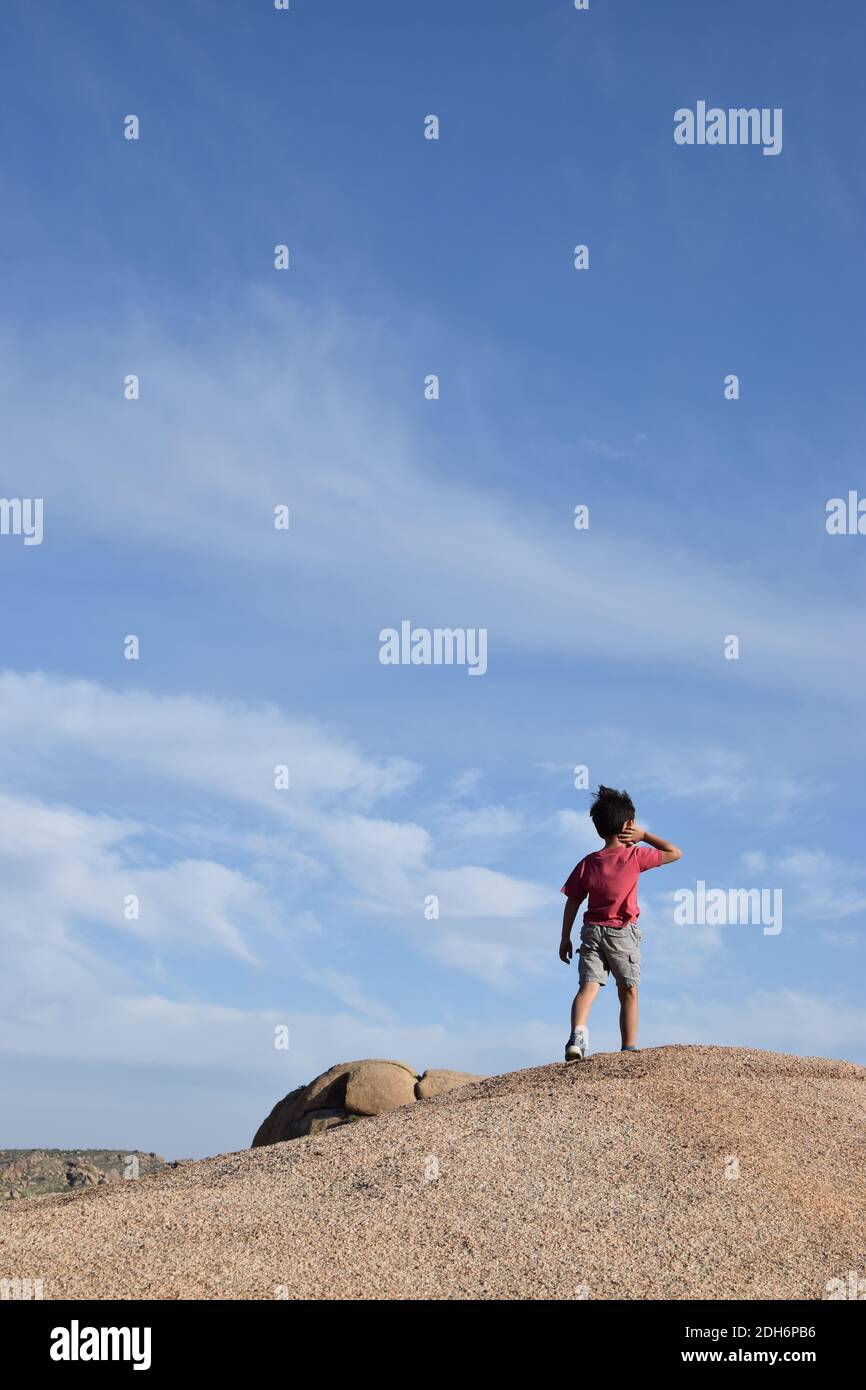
609 879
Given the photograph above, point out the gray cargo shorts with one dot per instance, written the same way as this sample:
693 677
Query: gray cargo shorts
610 950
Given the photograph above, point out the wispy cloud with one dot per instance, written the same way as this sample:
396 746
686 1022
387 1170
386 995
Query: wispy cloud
317 434
179 754
783 1020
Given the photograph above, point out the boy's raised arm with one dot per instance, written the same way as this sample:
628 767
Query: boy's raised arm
632 834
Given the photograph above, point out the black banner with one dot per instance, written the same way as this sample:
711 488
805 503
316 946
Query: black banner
66 1338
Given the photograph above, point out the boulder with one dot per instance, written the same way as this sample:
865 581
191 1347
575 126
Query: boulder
437 1081
329 1089
373 1087
316 1121
80 1173
342 1093
273 1128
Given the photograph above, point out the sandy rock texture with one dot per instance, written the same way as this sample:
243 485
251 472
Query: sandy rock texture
676 1172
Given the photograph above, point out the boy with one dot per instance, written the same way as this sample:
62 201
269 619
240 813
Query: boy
610 937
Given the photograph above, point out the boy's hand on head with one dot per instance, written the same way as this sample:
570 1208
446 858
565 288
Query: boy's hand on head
631 834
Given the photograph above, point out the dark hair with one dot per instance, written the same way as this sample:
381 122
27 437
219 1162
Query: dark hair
610 811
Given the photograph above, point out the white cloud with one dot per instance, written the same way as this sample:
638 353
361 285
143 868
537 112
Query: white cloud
226 749
484 823
601 449
471 891
347 989
466 781
754 861
784 1020
847 940
316 427
488 956
828 888
61 868
578 829
808 864
190 752
384 860
710 773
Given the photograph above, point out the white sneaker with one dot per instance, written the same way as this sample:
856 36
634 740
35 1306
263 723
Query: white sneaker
575 1048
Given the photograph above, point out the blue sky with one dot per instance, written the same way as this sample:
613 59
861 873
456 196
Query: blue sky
305 387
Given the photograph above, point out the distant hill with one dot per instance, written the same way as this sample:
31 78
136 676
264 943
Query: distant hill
35 1172
669 1173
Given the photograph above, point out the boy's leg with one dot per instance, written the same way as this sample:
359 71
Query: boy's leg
583 1002
627 1014
622 953
592 973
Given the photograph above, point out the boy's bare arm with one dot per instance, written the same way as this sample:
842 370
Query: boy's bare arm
569 912
632 834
